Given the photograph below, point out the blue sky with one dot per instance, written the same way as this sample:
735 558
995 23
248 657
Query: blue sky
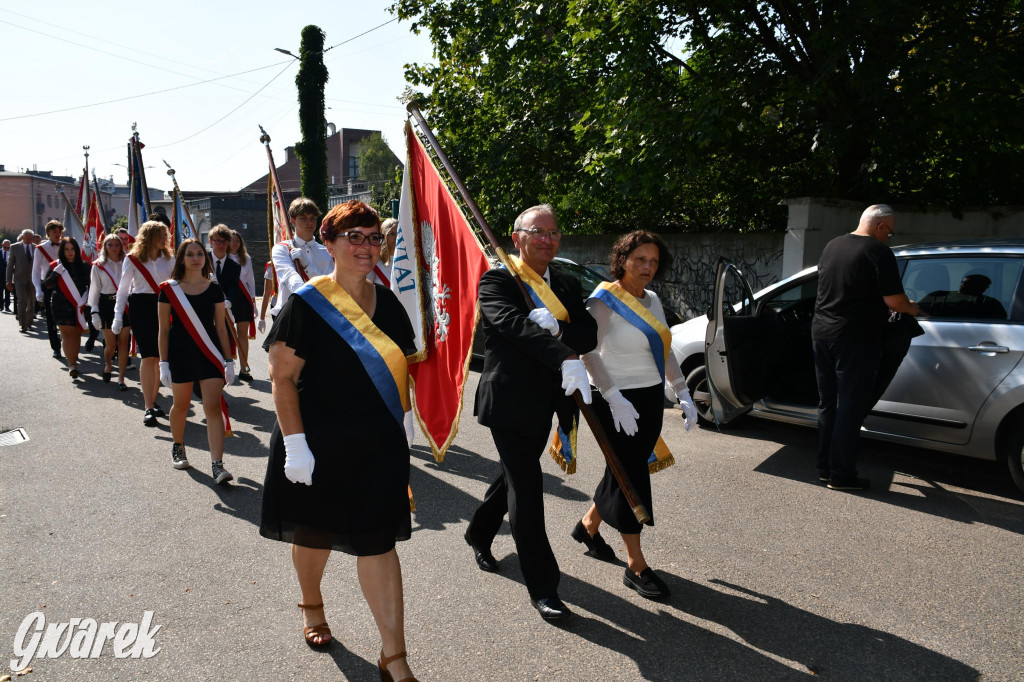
61 54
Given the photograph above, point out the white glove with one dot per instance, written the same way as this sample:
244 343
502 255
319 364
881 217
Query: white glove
689 409
298 459
39 297
299 256
574 378
227 304
116 326
545 319
229 372
261 326
623 413
165 374
96 321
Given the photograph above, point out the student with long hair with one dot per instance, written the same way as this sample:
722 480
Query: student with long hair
244 308
106 275
150 262
69 280
192 341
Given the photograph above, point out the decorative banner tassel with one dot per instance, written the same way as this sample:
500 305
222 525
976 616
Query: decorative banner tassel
412 500
227 420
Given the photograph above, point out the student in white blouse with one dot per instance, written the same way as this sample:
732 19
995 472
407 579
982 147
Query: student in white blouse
300 258
139 288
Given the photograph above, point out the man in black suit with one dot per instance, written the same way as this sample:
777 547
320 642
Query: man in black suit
227 272
528 356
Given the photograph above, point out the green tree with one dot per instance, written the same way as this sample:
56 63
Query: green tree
312 149
379 168
122 221
579 103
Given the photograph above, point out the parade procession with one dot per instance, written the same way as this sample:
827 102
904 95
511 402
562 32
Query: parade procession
504 377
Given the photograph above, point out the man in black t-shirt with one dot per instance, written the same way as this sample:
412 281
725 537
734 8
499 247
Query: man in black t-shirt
858 283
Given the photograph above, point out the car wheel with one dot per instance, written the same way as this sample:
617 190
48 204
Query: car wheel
1015 456
697 384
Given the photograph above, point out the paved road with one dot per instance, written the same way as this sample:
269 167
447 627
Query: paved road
773 576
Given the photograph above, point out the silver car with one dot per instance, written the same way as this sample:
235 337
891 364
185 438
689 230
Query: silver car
960 388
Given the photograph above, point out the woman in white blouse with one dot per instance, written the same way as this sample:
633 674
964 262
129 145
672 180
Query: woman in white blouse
630 365
106 275
149 264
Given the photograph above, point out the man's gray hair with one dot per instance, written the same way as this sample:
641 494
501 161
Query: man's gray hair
877 211
540 208
26 231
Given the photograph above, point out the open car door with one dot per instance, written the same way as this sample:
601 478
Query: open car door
737 346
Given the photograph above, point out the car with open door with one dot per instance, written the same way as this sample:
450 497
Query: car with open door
960 388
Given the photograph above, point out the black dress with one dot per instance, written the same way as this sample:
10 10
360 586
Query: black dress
359 501
189 363
64 313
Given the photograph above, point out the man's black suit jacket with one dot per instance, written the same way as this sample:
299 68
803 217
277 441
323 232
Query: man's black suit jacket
230 280
521 383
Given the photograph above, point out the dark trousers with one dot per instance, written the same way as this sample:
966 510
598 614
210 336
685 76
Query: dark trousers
846 375
51 326
5 300
519 491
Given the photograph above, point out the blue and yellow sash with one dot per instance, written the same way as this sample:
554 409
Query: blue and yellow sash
563 444
626 304
539 290
382 359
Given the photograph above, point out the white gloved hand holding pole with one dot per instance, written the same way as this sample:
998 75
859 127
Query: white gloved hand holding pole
299 257
298 459
623 413
544 318
229 372
574 378
689 409
165 374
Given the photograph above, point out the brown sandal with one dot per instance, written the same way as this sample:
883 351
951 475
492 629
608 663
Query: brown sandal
383 663
308 633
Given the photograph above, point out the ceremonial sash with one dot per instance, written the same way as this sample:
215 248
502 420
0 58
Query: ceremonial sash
631 310
563 443
539 290
107 272
70 291
382 359
186 314
381 275
50 257
252 304
146 274
298 266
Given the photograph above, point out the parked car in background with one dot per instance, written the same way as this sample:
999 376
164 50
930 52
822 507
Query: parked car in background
959 390
589 279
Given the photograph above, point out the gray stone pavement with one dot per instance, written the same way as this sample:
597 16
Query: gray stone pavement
773 576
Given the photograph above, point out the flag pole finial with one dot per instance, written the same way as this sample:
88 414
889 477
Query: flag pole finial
264 138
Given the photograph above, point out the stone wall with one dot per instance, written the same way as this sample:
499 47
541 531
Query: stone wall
687 285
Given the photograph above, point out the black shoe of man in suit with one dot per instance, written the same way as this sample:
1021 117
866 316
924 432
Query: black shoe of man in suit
484 559
551 608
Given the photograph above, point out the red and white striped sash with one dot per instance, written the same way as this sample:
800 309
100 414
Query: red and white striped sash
146 274
71 292
113 281
381 275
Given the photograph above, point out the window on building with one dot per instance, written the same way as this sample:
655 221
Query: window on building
353 167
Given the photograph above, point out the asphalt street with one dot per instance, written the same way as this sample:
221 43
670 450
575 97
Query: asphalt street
772 575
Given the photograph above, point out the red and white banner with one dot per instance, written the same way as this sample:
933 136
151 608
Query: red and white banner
95 230
436 273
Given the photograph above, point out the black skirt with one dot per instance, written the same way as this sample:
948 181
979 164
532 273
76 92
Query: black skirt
63 310
106 311
145 324
634 452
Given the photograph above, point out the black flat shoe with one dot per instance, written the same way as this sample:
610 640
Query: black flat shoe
157 412
551 608
647 584
484 559
121 387
74 373
149 419
106 377
596 546
244 376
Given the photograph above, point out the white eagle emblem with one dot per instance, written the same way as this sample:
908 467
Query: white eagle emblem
439 292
